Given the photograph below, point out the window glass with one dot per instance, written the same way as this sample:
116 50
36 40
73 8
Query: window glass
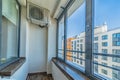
76 37
116 52
107 29
115 73
104 51
104 37
116 39
10 26
96 38
61 38
104 44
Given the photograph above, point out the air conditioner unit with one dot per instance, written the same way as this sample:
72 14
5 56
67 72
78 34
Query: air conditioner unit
37 15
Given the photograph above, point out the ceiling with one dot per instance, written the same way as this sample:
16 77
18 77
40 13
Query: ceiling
54 6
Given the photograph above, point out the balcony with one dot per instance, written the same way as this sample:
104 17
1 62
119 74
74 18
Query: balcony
59 40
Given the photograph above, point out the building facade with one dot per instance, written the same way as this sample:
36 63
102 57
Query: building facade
69 47
105 42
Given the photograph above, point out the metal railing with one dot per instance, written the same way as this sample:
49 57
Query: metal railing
99 54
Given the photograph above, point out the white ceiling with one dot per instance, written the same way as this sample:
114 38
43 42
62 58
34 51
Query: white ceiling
54 6
48 4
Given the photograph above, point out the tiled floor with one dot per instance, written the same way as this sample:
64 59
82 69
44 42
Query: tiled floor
39 76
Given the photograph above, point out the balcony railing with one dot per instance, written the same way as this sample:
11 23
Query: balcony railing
82 58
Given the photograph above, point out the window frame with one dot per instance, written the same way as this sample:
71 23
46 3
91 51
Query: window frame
18 36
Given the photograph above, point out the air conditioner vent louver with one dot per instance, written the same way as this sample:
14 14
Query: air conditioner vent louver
37 14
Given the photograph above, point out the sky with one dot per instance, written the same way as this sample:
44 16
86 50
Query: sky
104 11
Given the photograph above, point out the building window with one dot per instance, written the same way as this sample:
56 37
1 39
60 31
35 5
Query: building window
116 39
95 38
115 73
78 61
78 41
104 37
104 71
81 40
81 62
95 67
9 31
77 45
104 51
116 52
95 50
104 44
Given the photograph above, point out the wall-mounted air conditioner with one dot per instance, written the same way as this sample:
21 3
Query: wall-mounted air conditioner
37 15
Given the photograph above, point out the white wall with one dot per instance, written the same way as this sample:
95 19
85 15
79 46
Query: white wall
57 74
51 44
37 49
42 47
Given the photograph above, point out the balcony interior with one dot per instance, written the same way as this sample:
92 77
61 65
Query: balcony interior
38 42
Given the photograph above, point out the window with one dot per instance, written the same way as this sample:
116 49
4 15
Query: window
104 44
76 36
104 51
96 67
77 44
116 39
78 41
104 37
104 71
10 31
80 35
115 73
81 40
81 62
95 49
107 29
116 52
61 38
95 38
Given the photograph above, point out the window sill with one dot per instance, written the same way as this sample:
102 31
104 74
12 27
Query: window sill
12 68
69 72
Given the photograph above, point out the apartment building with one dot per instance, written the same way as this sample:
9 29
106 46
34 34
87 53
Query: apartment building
105 42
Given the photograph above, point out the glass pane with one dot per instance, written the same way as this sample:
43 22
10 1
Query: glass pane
107 46
76 37
9 44
61 39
